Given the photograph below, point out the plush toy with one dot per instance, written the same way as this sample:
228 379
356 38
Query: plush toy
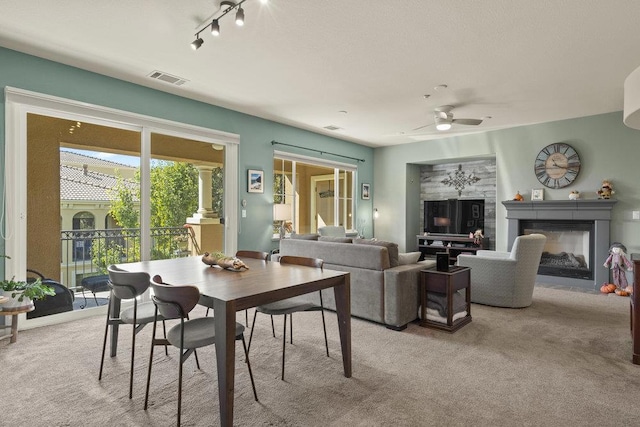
606 191
574 195
618 261
477 237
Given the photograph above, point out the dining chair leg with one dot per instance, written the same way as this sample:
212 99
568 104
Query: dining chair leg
195 353
324 325
273 329
246 318
153 339
164 330
104 341
253 324
290 328
133 346
246 358
180 385
284 342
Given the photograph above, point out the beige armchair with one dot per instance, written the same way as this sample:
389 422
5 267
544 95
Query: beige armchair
505 279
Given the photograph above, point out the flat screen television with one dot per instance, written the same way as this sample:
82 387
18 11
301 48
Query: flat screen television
453 216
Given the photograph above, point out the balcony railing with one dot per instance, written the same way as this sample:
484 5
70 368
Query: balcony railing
87 253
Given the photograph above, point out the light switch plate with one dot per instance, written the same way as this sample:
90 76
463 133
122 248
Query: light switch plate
244 213
636 214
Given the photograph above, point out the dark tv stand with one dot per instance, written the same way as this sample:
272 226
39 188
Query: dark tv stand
452 244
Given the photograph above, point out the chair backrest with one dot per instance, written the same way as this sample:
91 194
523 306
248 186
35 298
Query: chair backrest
174 302
253 254
127 284
332 230
299 260
527 251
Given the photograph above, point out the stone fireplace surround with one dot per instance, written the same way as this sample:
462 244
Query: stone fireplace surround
598 211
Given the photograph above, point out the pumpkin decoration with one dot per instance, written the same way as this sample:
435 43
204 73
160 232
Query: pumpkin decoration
622 292
518 197
607 288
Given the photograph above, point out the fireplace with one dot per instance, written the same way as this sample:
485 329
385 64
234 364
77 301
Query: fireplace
568 251
577 238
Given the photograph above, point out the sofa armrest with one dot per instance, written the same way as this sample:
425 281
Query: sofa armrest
401 297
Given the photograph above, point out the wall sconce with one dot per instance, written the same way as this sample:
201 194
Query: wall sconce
375 213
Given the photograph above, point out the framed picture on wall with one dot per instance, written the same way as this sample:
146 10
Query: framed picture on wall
537 194
366 189
255 181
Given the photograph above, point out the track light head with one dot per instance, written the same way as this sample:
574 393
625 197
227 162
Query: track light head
195 45
240 16
215 28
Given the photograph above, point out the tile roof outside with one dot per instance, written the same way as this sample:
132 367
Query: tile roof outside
75 185
71 157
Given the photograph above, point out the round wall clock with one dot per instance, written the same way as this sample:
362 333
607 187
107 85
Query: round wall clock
557 165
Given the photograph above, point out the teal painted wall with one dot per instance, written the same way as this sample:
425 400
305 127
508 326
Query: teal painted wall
607 148
256 152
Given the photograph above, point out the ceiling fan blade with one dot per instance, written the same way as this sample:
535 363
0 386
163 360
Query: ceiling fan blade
421 127
467 121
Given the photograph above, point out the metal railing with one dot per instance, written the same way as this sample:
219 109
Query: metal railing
87 253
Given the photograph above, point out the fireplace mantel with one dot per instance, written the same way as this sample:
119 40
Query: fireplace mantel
560 209
598 211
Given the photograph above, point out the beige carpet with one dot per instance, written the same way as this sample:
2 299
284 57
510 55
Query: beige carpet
564 361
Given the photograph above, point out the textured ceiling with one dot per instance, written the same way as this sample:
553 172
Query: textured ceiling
302 62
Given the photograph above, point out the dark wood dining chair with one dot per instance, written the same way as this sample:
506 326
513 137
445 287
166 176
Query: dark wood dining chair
208 302
290 306
127 285
176 302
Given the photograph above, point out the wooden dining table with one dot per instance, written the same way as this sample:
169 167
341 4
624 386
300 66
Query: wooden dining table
262 283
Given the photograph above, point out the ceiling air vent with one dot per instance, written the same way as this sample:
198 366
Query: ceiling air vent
167 78
332 127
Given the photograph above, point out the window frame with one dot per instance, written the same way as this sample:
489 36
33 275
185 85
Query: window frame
339 169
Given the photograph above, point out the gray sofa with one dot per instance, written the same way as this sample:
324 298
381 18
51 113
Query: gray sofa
379 291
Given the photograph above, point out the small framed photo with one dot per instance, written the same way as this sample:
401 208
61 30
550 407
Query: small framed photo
255 181
366 189
537 194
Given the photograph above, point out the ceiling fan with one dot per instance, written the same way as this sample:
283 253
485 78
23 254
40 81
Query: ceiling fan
443 118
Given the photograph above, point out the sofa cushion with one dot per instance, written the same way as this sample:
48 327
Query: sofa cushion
304 236
335 239
408 258
362 256
392 248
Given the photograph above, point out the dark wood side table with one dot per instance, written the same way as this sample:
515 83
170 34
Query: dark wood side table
445 282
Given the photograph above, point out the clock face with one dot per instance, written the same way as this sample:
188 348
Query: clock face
557 165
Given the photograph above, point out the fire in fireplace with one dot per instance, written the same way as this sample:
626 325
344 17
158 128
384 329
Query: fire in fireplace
569 249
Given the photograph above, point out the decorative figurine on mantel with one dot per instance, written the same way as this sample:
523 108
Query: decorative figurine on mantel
617 261
477 237
574 195
606 191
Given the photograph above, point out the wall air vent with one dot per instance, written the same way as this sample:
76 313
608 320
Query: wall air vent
167 78
332 127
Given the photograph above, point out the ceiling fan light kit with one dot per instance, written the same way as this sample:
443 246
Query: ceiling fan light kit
226 6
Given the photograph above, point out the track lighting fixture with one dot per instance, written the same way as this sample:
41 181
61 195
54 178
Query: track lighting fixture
240 17
215 28
226 6
195 45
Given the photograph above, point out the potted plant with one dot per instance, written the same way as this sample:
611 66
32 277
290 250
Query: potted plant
22 293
